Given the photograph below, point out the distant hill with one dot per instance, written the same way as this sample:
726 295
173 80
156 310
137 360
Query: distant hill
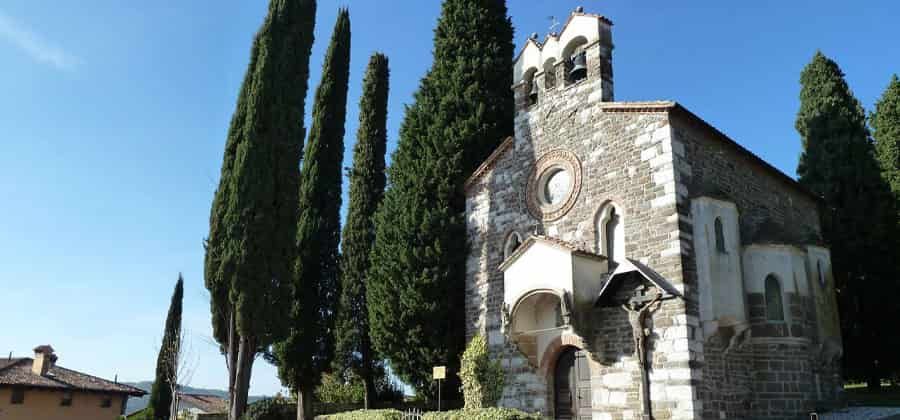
135 404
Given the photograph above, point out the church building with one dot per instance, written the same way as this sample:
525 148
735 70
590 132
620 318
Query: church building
628 260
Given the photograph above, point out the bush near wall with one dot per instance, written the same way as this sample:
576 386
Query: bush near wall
482 378
482 414
365 415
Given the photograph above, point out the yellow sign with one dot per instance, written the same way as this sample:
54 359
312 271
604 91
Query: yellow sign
440 372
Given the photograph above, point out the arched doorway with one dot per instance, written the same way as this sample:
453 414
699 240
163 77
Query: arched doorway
572 386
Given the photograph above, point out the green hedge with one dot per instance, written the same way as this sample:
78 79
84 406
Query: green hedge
364 415
482 414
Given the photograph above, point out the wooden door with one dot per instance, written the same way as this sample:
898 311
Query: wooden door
572 386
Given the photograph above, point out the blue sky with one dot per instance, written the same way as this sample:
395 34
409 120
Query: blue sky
113 120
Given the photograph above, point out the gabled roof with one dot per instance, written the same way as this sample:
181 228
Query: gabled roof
558 243
489 162
17 372
630 265
208 404
672 108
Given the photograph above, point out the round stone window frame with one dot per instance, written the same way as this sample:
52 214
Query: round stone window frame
549 164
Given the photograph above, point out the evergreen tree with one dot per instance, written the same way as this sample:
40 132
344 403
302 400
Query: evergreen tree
309 347
167 362
885 121
838 164
367 181
250 248
462 110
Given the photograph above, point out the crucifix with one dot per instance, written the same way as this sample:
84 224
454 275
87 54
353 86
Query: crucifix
638 308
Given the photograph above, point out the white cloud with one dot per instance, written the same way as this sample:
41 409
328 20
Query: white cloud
32 44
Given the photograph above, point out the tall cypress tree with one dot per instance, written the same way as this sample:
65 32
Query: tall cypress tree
250 248
167 361
885 121
838 164
367 180
462 110
308 349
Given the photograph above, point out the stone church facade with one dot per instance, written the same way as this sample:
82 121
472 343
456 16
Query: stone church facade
628 260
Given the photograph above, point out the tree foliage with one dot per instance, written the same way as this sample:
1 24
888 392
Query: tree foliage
367 180
308 349
885 121
251 244
462 109
838 164
166 363
482 378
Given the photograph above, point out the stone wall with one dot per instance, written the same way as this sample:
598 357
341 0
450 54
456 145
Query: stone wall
776 375
625 158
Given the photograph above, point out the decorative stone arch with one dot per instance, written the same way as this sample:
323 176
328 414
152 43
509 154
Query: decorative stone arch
512 242
574 44
604 215
555 348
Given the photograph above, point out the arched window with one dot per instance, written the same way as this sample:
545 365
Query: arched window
550 73
820 273
512 244
611 238
720 236
774 302
610 233
575 60
531 86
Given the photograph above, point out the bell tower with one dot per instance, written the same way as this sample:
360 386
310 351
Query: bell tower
575 62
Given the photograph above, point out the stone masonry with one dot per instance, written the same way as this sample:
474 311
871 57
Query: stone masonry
649 160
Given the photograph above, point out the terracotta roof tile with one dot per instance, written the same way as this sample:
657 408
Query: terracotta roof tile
17 372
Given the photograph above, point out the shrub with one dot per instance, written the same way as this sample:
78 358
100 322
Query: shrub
271 409
482 414
365 415
482 378
336 390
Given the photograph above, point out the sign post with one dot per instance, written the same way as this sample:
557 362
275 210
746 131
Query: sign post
439 373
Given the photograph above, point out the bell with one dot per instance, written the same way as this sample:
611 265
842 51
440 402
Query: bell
579 67
533 94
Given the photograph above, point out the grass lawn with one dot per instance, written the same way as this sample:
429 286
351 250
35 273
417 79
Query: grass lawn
859 395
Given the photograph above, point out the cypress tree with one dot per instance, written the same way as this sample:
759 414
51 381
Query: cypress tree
309 347
167 362
885 121
367 181
838 164
250 248
462 110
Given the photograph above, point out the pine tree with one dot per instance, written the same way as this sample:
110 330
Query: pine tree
885 121
167 362
367 181
308 349
250 248
462 110
838 164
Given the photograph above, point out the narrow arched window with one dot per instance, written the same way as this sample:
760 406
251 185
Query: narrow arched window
820 273
512 244
774 302
720 236
612 224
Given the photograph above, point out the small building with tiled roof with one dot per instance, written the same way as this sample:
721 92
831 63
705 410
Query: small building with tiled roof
39 389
